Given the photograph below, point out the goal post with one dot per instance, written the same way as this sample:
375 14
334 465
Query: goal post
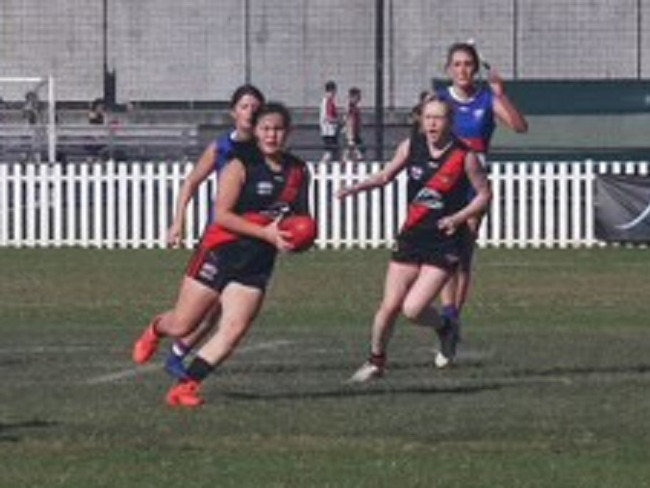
18 87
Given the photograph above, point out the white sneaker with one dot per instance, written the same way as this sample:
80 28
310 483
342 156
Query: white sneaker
366 372
441 361
449 336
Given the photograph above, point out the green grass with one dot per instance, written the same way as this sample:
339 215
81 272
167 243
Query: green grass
551 389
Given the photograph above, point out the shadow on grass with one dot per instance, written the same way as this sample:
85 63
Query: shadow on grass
273 368
453 384
365 390
387 386
582 370
7 430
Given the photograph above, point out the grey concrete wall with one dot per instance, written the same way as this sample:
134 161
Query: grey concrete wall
298 45
61 37
176 50
578 39
201 49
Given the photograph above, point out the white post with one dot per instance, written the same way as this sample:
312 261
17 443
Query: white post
524 212
162 205
549 203
509 204
563 202
577 220
320 180
537 204
334 173
122 205
110 204
57 205
136 204
43 182
150 240
98 204
30 203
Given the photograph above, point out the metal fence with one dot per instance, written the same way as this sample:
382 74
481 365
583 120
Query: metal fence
546 204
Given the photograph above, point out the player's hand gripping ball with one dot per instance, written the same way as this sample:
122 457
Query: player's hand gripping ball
302 231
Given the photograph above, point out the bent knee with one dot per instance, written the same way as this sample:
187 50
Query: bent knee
412 311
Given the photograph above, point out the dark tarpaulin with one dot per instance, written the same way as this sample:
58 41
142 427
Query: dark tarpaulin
622 210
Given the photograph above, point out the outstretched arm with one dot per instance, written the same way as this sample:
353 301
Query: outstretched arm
386 175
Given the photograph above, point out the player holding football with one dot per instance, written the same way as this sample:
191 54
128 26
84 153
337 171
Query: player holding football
476 107
244 102
441 169
235 260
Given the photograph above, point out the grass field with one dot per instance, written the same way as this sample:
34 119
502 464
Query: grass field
552 387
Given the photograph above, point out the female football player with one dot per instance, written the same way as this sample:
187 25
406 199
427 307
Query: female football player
441 169
234 262
244 102
476 108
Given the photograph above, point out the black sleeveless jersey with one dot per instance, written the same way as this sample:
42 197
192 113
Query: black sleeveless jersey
422 167
263 186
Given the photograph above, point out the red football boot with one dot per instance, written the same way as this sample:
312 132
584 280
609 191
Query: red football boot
147 344
185 394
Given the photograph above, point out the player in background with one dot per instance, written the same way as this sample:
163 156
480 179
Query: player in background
330 123
477 107
235 259
354 148
440 170
244 102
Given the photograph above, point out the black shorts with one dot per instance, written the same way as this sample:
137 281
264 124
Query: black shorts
467 246
437 250
248 262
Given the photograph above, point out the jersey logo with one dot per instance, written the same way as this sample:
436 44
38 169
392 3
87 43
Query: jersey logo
264 188
208 271
429 198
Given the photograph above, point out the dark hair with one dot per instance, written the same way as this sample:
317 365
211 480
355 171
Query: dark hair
273 108
466 48
330 86
354 92
244 90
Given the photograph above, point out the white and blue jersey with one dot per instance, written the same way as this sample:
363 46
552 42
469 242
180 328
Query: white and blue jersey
226 145
473 119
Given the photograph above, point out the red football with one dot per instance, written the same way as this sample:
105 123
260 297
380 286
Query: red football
302 229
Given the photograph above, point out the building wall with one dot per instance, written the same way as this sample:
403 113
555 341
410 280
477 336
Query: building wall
199 50
62 37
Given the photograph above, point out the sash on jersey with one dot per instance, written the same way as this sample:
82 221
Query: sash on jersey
216 236
441 182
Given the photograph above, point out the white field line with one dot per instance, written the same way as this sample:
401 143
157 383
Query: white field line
44 349
137 371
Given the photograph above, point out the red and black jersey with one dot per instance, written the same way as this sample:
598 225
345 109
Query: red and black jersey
265 194
224 257
272 193
436 186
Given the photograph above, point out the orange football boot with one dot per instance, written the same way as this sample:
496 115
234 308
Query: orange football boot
185 394
147 344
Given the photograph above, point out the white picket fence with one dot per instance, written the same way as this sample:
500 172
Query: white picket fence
130 205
